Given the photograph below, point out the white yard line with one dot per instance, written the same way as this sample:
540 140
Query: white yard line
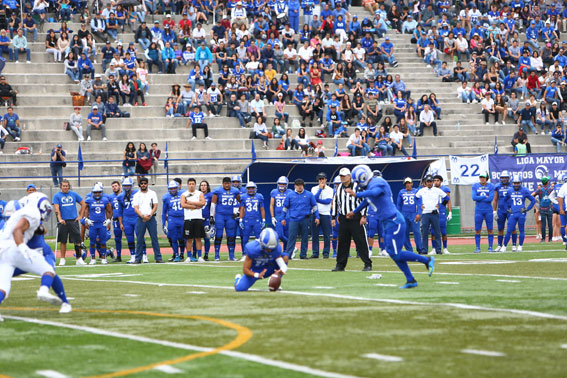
51 374
386 285
509 281
383 357
244 356
564 346
324 287
448 283
196 292
131 295
536 314
480 352
168 369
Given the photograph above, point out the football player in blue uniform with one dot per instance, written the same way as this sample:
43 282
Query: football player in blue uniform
445 212
277 198
500 209
237 183
483 194
556 205
172 218
2 207
263 257
224 200
130 218
252 213
516 201
97 218
117 225
377 194
410 207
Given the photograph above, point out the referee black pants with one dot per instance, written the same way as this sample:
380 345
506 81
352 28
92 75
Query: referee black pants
350 229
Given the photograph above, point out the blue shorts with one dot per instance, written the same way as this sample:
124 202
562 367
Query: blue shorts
394 234
117 229
503 216
98 231
225 222
175 228
483 215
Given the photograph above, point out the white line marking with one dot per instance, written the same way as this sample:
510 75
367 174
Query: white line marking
559 259
22 278
323 287
383 357
476 262
168 369
244 356
196 292
51 374
386 285
448 283
509 281
131 295
461 306
564 346
479 352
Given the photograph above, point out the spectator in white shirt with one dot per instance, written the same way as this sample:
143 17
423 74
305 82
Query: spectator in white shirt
305 52
488 108
427 119
290 59
238 15
3 135
397 138
465 93
257 106
145 204
261 131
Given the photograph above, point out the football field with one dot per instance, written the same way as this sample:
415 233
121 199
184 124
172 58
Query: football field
479 315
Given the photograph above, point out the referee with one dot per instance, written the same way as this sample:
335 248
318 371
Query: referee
344 203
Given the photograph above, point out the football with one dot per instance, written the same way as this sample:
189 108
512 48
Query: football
274 282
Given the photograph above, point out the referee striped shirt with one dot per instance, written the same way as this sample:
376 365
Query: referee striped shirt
344 203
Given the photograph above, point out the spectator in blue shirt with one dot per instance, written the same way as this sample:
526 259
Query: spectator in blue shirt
168 59
95 121
558 137
56 164
11 123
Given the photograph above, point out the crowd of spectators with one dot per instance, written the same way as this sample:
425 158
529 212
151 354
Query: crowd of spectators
507 55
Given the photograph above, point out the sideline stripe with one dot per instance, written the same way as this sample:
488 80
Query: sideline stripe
461 306
383 357
168 369
487 353
51 374
203 350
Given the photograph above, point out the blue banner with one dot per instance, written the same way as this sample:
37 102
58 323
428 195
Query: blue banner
531 167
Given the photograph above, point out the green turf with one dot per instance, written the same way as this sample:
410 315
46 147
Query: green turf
324 330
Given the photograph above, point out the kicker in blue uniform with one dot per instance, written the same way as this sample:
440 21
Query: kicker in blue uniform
223 203
378 195
483 195
252 213
264 257
516 198
172 218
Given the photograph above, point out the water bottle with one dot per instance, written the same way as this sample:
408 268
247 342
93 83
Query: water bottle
458 125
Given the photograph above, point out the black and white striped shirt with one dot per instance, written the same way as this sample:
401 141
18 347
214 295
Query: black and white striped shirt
344 203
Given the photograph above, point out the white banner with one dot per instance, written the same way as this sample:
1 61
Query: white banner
439 167
465 170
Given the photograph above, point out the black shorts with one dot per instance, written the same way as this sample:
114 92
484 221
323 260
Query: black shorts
69 232
193 229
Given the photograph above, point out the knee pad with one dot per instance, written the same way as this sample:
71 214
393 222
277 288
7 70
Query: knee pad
131 245
218 241
231 241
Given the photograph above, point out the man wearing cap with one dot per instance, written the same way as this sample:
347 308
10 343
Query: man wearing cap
431 198
551 93
298 207
95 121
410 207
349 228
527 117
238 15
483 195
56 164
323 196
145 203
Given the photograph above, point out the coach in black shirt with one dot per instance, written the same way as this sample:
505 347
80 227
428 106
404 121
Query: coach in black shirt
343 203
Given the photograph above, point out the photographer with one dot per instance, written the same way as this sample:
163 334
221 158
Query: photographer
57 163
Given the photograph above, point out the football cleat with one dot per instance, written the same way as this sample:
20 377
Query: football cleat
145 259
243 258
237 278
132 260
432 252
293 254
80 261
498 248
200 259
477 250
43 294
490 249
177 259
65 308
446 251
514 248
519 248
430 266
383 253
61 262
104 261
409 285
503 248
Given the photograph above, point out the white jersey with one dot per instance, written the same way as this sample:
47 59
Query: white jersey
31 214
192 213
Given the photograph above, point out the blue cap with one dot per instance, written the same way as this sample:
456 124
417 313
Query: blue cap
31 186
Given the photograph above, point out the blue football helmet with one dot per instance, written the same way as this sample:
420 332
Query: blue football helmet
517 182
210 231
173 187
236 181
97 191
127 184
505 177
563 178
268 238
282 182
362 174
251 188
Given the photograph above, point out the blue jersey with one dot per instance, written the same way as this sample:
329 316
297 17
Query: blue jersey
408 203
171 208
443 208
97 208
483 195
502 189
516 199
279 198
116 204
67 204
226 200
378 195
206 210
262 259
128 211
197 117
2 206
252 206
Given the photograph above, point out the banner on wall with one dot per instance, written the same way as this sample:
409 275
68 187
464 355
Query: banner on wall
438 167
465 170
531 167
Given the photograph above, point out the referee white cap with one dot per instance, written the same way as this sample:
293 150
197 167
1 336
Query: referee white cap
344 172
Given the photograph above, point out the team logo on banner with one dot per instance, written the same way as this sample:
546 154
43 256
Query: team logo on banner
531 168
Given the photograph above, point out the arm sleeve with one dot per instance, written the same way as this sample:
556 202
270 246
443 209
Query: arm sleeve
490 195
285 206
399 201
